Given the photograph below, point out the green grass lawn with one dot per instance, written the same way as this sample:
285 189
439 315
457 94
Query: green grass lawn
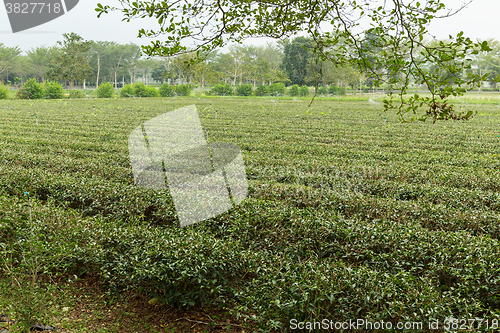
350 214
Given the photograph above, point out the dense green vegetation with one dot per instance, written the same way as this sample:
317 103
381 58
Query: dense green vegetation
285 62
350 214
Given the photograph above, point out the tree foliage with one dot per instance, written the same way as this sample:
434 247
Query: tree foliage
296 59
39 59
72 64
8 56
339 35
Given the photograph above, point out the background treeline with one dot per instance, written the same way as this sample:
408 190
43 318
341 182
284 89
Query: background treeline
244 70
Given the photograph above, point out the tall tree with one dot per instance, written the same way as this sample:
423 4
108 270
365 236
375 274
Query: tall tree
39 59
8 58
401 26
21 68
268 63
145 67
130 59
99 56
116 57
72 65
296 59
166 71
489 63
328 73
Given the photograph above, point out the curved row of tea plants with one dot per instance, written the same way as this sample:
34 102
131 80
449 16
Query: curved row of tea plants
349 215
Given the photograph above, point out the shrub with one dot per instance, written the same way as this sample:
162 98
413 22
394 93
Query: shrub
183 90
4 92
294 90
304 91
262 90
244 90
334 90
31 90
140 89
105 90
53 90
204 270
127 91
277 89
166 90
322 90
221 90
73 94
151 91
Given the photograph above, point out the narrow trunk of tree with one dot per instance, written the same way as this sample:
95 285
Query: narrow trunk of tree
98 70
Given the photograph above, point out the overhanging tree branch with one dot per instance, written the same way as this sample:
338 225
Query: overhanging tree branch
341 30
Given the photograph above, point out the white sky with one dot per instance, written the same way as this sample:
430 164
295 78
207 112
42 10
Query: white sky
479 20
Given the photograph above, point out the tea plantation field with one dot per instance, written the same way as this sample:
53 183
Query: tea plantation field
349 215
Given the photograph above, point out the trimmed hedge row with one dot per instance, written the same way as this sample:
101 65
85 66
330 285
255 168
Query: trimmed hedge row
139 89
285 266
347 216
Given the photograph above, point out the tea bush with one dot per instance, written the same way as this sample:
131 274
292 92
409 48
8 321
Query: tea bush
348 215
179 268
31 90
53 90
76 94
105 90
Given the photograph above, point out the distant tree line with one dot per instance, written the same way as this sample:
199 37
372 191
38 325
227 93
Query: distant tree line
261 69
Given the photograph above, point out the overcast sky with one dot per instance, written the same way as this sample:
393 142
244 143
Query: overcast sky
479 20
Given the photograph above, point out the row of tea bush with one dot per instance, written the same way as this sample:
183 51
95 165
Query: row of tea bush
54 90
275 89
